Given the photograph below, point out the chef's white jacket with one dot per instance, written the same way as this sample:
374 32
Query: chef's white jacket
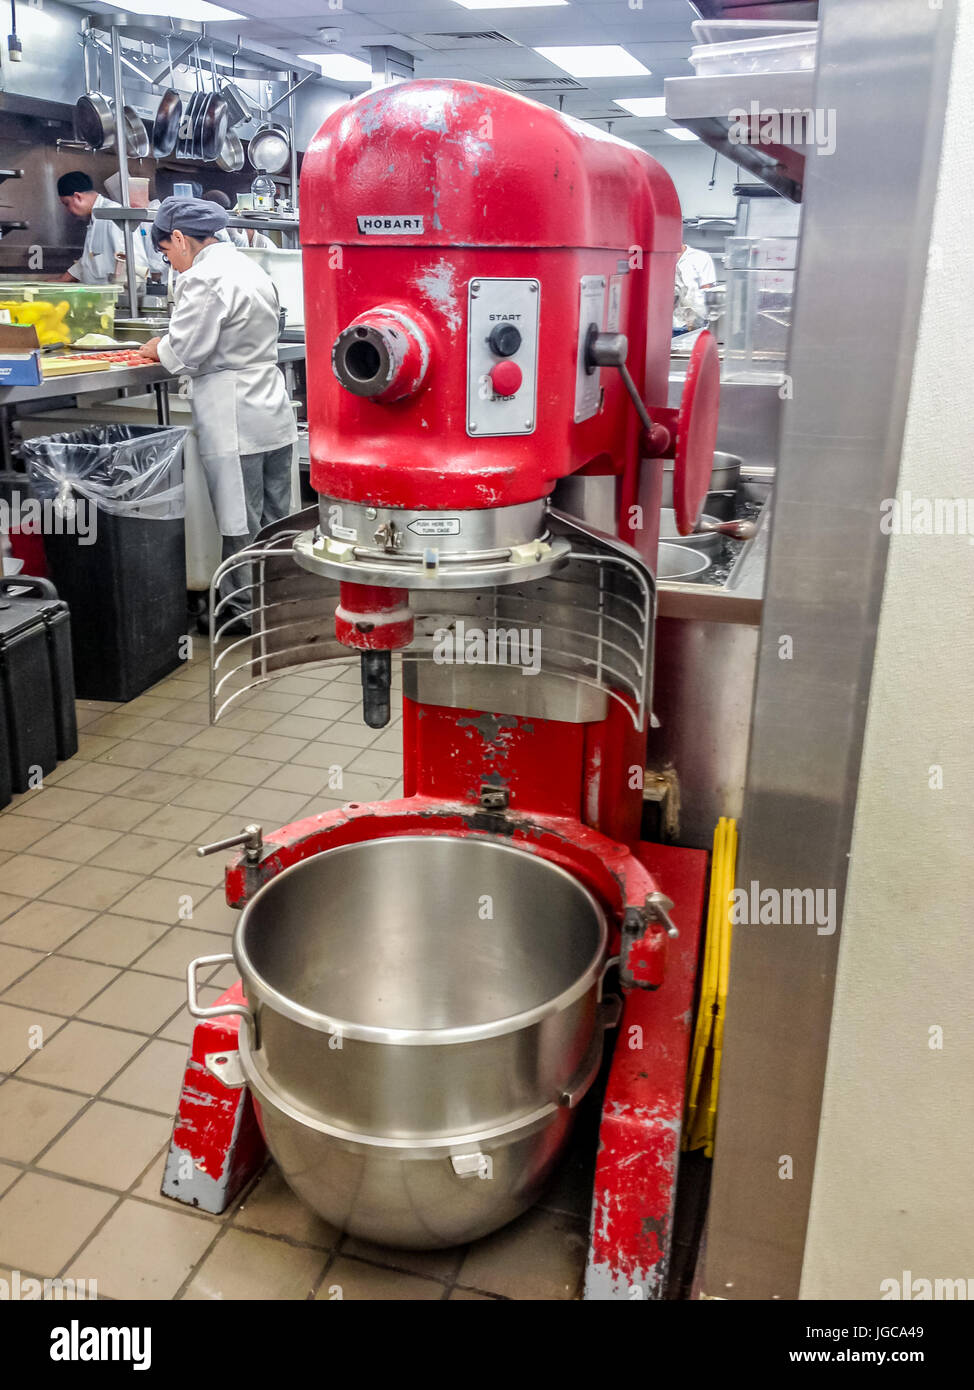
156 261
103 240
238 235
694 269
223 338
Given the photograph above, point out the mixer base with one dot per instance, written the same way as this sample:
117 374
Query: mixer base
217 1146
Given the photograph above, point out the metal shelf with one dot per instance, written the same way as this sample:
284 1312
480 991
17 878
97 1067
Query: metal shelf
157 28
273 224
703 104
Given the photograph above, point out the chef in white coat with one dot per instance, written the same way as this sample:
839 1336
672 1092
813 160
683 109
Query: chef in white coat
240 236
139 198
223 337
694 273
104 239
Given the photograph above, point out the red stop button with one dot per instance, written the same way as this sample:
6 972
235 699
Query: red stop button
506 378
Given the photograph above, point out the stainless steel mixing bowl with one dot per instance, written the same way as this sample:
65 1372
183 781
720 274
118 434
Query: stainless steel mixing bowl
425 1015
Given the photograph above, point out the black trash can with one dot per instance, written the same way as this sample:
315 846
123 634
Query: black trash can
114 539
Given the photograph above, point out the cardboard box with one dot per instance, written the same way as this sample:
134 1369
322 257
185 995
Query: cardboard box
20 356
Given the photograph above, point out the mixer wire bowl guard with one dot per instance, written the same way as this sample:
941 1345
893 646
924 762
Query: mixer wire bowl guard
594 619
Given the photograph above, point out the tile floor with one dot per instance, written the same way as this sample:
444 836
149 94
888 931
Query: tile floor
98 878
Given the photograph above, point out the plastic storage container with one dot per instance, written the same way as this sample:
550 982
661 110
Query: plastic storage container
760 289
774 53
122 574
38 725
60 312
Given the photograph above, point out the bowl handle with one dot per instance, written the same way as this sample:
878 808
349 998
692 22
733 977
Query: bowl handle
609 1013
217 1010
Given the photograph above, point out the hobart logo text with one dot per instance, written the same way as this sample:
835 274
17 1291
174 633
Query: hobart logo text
77 1343
390 226
789 907
492 646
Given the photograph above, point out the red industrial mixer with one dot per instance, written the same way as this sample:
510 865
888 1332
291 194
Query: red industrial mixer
489 293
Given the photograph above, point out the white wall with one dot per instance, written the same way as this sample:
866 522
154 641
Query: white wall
892 1189
689 166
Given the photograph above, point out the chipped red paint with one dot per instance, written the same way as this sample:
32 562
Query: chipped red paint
451 753
642 1114
484 183
215 1125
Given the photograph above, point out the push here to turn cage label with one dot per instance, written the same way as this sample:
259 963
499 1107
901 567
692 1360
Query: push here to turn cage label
435 526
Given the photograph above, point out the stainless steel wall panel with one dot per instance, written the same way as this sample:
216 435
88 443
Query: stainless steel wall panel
883 68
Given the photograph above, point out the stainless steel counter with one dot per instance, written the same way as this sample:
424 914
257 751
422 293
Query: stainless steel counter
706 658
82 383
115 379
115 382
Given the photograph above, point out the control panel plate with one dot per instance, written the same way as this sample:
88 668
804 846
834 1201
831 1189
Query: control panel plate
492 301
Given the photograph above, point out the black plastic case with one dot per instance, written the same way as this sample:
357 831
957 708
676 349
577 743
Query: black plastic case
38 725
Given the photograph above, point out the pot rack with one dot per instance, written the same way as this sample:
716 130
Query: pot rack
245 60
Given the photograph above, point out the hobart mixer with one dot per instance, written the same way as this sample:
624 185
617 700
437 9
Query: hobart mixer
423 1001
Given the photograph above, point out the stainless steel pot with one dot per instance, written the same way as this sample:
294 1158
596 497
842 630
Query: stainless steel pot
165 126
421 1010
94 121
231 156
724 477
238 108
269 150
136 137
709 542
680 562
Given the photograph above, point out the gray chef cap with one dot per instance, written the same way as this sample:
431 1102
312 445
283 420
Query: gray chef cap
192 216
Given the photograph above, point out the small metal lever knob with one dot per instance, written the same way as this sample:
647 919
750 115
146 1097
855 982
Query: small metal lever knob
658 906
252 836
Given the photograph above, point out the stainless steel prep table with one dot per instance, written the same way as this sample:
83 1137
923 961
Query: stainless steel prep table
113 382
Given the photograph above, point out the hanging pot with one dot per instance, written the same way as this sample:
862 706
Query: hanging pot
238 110
269 149
136 137
231 156
187 127
214 127
94 116
94 121
165 127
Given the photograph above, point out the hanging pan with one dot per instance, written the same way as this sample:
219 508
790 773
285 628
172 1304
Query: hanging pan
231 157
136 138
94 119
216 119
169 113
269 149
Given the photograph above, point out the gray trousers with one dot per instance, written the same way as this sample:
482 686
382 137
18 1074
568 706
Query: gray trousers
267 492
